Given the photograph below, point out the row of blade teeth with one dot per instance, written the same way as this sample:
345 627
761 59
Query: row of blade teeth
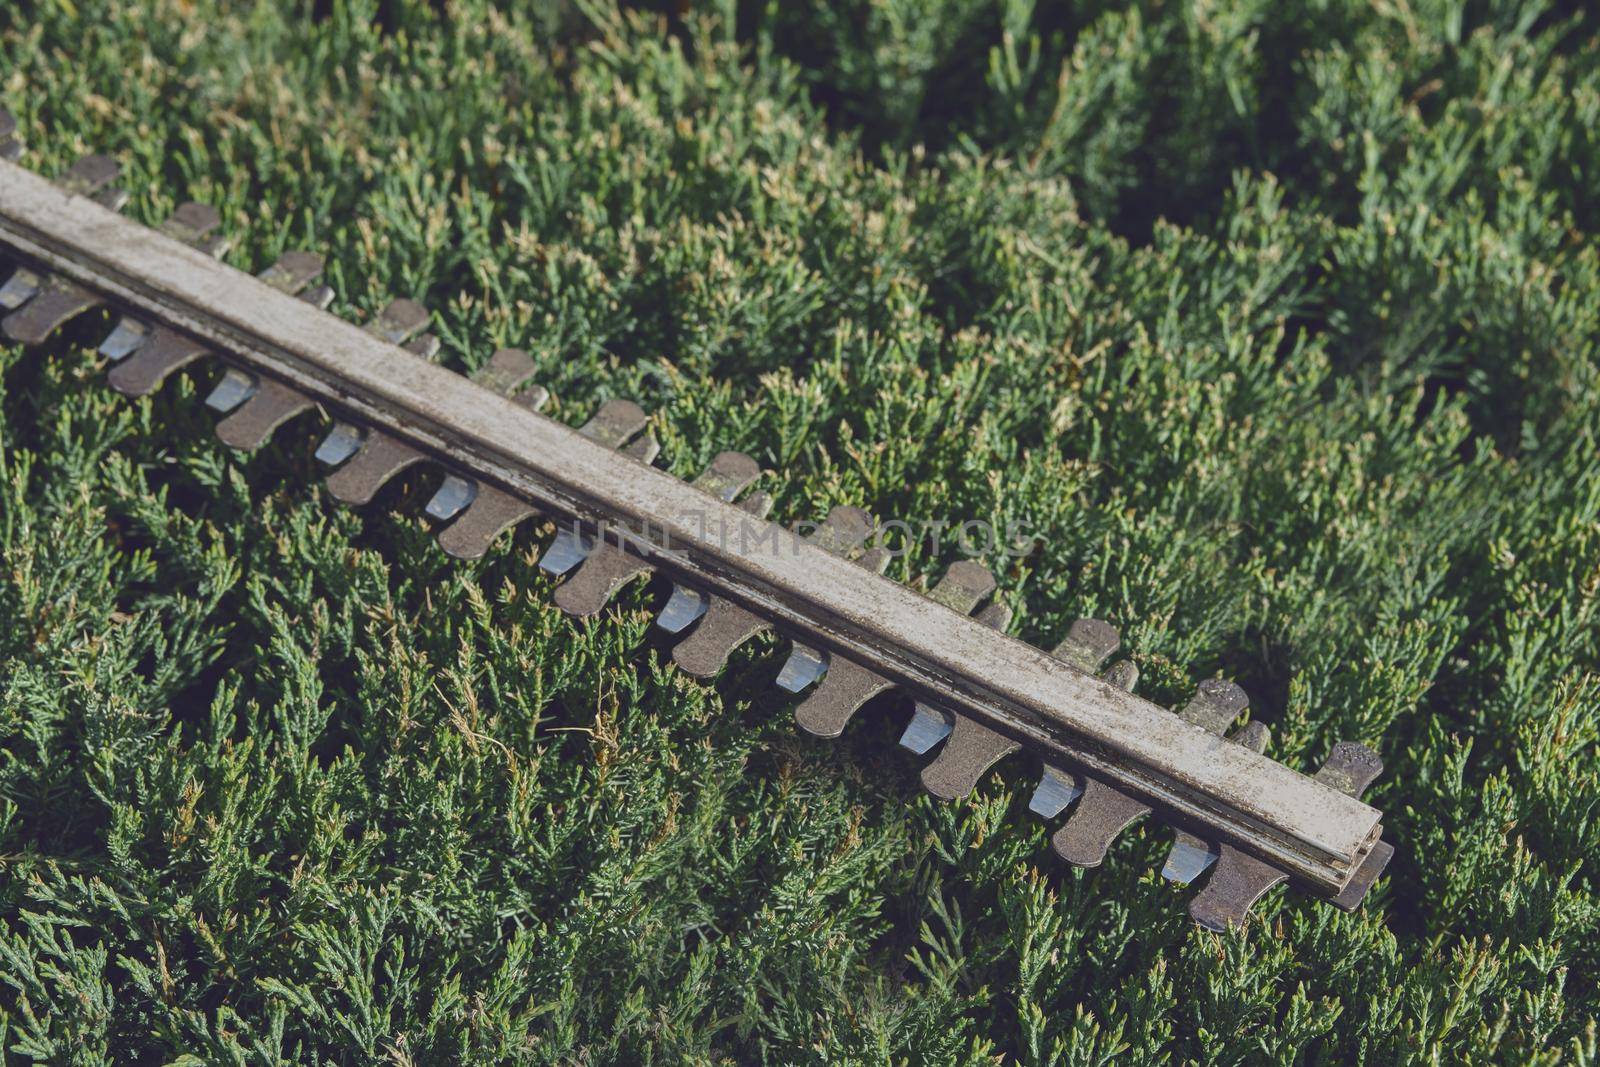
596 568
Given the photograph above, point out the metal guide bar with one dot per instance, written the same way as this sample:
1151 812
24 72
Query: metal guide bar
1315 833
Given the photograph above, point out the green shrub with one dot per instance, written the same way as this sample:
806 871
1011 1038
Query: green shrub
1275 325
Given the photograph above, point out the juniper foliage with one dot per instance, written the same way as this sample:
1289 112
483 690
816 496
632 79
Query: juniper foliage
1275 325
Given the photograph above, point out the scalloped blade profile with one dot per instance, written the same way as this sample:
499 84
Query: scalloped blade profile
508 372
493 511
1088 644
370 459
271 375
725 625
1104 812
19 288
617 422
274 403
191 223
611 566
270 406
968 754
962 588
928 725
236 386
165 350
1241 879
686 604
970 748
846 686
1190 855
56 301
162 352
806 664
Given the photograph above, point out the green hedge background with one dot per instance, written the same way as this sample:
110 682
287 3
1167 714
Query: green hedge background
1275 324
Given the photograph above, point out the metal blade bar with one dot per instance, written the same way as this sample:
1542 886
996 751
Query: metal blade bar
1313 832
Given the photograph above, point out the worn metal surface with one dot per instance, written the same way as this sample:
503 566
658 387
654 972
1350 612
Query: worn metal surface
1007 691
1240 880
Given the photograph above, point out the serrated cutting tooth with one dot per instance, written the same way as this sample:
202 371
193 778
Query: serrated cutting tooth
970 748
507 371
342 442
929 725
293 271
687 604
41 307
682 608
10 143
1100 816
192 224
1089 642
1123 674
1104 812
453 496
396 323
1240 879
266 403
318 297
89 175
1191 856
729 475
271 405
724 628
56 302
377 457
613 425
961 590
571 546
125 337
399 321
806 664
726 625
1216 703
1056 790
616 423
166 350
845 685
490 514
163 351
611 566
645 449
